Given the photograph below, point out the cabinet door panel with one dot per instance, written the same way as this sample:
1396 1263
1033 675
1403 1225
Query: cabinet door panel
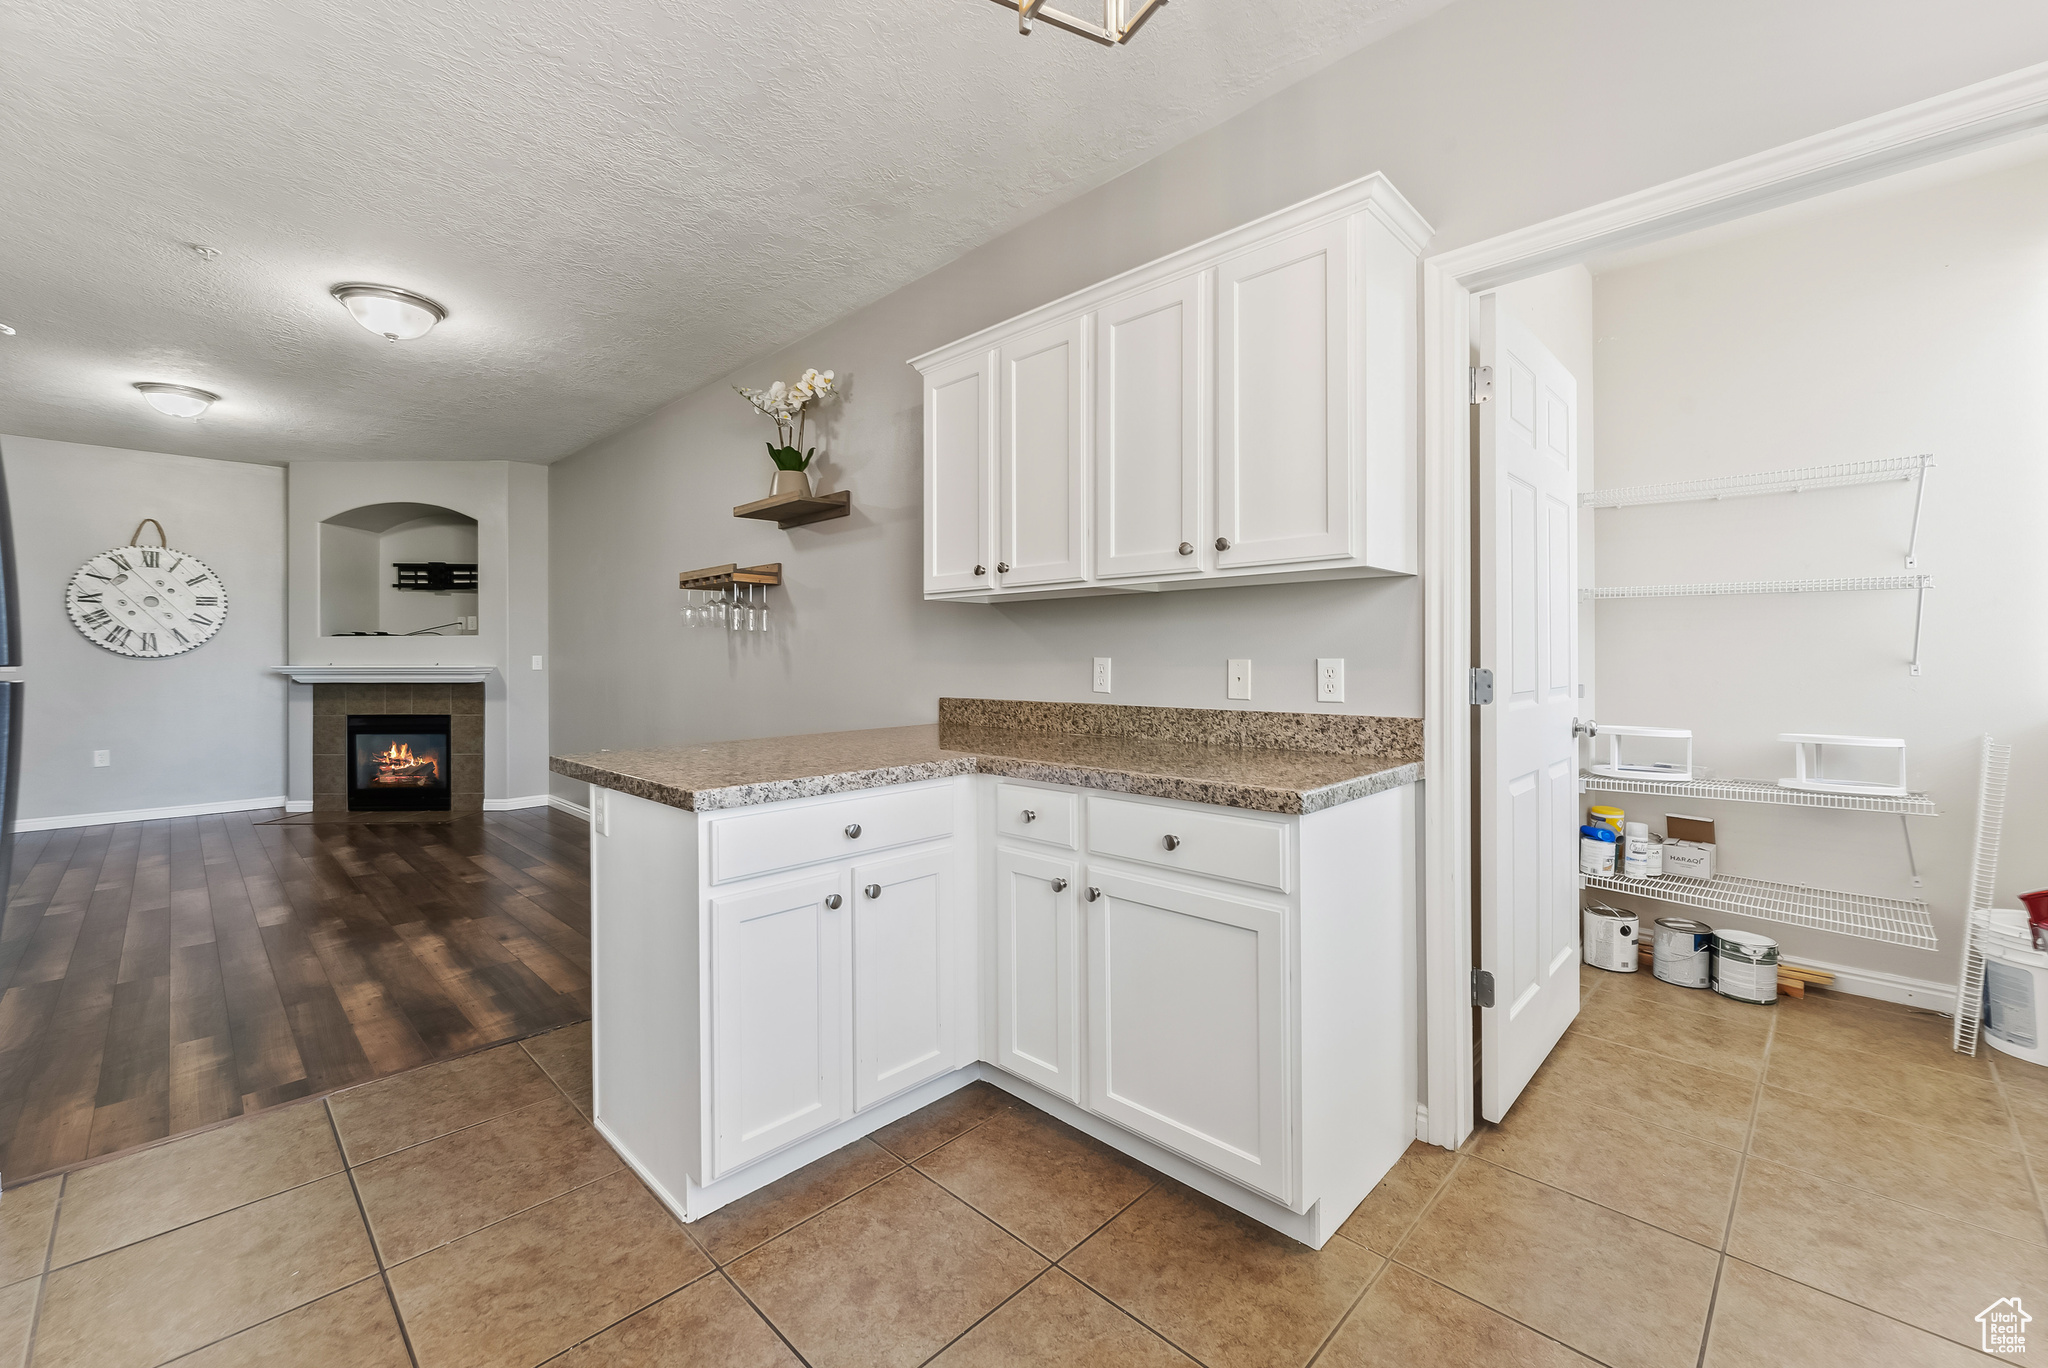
1151 429
1042 469
902 974
959 474
778 1017
1188 1024
1038 987
1283 440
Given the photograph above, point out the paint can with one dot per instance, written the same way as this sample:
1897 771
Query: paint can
1683 952
1746 966
1610 940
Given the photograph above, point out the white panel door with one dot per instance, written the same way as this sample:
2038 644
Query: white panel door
959 475
1151 419
778 1016
1528 499
1042 465
1038 971
902 973
1284 434
1187 1023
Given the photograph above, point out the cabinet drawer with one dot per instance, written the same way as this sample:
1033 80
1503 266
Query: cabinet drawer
1036 814
1241 849
764 842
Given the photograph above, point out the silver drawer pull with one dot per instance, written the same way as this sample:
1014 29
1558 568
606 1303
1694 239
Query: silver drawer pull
1187 548
873 890
1059 885
1173 843
981 570
1094 893
1028 815
1002 567
1223 543
853 831
833 902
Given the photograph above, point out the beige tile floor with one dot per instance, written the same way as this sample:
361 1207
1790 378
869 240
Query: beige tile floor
1688 1181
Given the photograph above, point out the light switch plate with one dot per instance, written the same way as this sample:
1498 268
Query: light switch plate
1240 679
1329 680
536 662
1102 674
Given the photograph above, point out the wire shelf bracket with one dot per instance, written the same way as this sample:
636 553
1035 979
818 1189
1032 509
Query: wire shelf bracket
1994 763
1895 921
1799 481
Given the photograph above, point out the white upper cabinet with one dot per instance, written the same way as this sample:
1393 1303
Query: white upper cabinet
1151 429
1042 466
1243 411
959 475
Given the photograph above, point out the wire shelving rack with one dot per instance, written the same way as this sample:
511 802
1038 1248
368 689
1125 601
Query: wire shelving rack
1895 921
1761 791
1994 763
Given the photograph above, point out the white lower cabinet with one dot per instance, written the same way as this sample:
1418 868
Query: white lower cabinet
1188 1023
778 1019
902 974
1038 971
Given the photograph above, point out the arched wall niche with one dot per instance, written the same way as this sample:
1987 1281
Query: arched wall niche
360 547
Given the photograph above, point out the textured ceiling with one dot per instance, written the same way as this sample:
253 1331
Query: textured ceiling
617 200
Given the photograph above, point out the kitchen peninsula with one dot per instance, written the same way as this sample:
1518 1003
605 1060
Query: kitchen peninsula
1187 932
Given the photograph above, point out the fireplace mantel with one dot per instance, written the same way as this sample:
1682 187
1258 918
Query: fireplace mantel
385 674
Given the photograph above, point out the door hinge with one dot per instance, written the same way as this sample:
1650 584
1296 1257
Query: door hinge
1482 685
1482 988
1481 378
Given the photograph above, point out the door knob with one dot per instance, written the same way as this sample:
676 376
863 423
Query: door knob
853 831
1094 893
873 890
980 570
1223 543
1187 548
1002 567
1173 843
1028 815
1059 885
833 902
1586 728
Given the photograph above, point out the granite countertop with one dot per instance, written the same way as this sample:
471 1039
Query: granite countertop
1184 757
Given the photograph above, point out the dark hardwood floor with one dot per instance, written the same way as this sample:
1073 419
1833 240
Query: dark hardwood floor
156 977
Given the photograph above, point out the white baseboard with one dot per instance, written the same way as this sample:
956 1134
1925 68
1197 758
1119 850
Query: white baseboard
576 810
531 800
87 819
298 805
1875 983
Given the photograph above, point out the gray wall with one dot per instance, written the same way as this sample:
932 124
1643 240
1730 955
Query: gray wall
207 726
1490 115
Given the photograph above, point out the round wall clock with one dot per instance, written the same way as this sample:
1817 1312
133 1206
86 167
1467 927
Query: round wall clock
146 601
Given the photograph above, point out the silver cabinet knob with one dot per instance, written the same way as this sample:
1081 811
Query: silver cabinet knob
833 902
1223 543
853 831
980 570
1028 815
1093 893
1059 885
873 890
1173 843
1187 548
1002 567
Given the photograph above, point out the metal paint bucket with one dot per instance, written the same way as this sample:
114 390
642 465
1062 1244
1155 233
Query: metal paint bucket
1746 966
1610 940
1684 952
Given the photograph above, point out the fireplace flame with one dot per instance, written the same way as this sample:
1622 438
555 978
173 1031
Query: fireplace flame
399 765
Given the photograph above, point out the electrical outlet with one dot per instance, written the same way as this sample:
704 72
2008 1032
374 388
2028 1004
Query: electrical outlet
469 624
1102 674
1240 679
1329 681
101 759
536 662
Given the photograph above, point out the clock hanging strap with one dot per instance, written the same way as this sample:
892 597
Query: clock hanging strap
162 539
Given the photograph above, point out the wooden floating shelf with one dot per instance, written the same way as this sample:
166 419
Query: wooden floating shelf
720 576
794 510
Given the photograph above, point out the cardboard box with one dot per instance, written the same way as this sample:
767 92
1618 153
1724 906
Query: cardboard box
1679 827
1689 859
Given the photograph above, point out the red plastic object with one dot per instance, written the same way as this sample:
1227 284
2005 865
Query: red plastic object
2037 913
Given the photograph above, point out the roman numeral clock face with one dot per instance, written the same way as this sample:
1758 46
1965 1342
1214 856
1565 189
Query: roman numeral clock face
146 601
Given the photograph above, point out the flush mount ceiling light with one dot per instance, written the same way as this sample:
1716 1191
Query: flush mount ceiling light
1120 18
393 314
179 401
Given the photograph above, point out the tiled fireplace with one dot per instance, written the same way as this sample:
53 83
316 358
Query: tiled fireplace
334 704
